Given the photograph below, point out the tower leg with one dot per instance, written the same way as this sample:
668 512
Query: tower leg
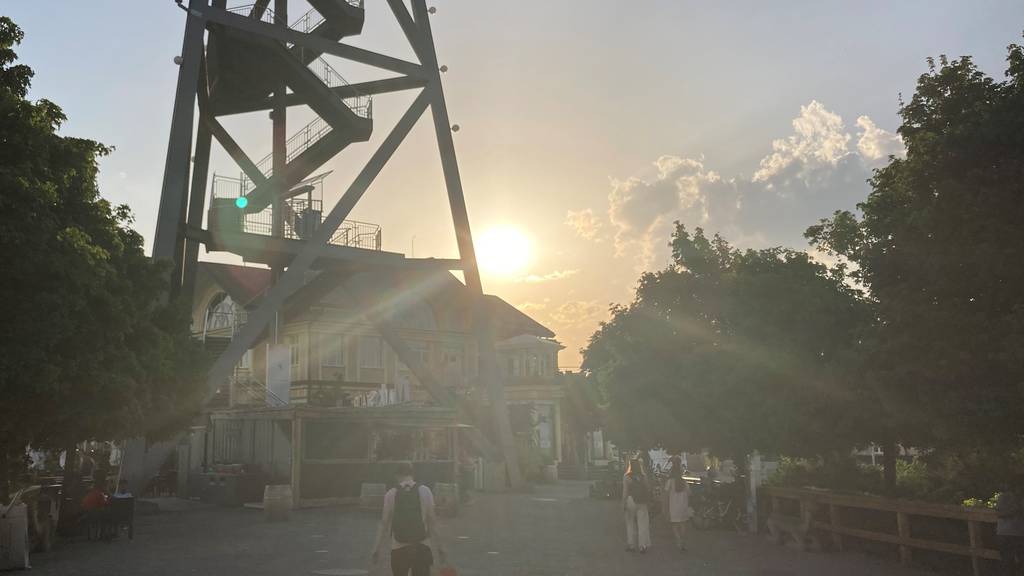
484 323
196 205
168 243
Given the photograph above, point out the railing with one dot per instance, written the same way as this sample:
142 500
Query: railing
357 235
309 21
303 215
299 142
826 514
361 104
232 321
247 10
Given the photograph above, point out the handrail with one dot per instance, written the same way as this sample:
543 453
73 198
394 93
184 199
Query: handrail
246 10
904 511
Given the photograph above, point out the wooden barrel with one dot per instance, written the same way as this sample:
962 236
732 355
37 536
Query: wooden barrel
371 496
494 477
551 473
446 499
277 501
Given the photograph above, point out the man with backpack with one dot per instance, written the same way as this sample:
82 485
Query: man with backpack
410 523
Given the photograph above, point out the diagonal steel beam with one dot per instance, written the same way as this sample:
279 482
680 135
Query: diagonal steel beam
484 323
412 32
369 88
312 41
295 276
233 149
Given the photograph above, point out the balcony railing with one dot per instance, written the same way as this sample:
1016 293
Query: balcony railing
303 215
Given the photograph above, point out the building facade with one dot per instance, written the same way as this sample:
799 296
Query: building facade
326 404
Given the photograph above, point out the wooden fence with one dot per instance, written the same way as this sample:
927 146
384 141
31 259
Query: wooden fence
825 509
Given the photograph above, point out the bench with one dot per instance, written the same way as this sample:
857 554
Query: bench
797 528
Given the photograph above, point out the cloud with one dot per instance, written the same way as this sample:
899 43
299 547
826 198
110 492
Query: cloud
877 144
532 307
641 210
577 312
556 275
806 176
819 141
585 223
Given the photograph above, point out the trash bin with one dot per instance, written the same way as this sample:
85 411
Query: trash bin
277 502
371 496
14 537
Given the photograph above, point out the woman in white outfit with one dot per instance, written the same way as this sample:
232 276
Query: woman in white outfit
677 494
636 494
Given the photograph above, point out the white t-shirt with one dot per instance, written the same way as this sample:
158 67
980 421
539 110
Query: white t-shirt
426 509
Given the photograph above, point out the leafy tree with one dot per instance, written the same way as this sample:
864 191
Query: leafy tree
733 351
939 248
92 349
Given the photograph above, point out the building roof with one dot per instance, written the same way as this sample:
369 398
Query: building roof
446 295
243 283
514 322
525 340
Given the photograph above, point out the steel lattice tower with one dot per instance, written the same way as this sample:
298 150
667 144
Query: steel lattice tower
246 59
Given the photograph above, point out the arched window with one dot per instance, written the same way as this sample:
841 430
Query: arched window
221 313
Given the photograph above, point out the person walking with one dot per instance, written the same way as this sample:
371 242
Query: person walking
1010 531
409 522
677 501
636 495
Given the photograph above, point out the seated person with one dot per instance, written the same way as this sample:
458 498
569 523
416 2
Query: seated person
95 499
122 490
94 506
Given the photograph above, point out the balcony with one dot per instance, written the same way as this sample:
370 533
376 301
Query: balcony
302 214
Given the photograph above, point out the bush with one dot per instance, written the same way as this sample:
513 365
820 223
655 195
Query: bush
963 479
844 474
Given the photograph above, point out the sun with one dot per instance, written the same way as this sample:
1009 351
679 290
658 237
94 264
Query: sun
503 251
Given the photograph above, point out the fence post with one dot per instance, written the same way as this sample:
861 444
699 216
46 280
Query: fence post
975 539
903 525
833 519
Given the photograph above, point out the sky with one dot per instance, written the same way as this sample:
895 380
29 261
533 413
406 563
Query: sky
586 126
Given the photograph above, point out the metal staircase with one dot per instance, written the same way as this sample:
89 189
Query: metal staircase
244 68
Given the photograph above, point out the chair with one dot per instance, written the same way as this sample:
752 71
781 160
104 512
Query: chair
121 512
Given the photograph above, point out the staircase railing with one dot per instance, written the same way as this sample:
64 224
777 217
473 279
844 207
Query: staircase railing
312 19
247 10
299 142
361 104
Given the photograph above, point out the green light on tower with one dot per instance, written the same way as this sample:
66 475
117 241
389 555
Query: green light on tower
242 202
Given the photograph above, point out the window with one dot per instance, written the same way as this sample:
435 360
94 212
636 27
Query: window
296 351
453 358
332 350
330 439
420 350
246 362
371 352
531 365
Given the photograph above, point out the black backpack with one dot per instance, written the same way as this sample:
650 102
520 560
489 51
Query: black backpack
407 525
638 490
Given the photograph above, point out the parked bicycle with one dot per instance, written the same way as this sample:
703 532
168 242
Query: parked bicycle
720 506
